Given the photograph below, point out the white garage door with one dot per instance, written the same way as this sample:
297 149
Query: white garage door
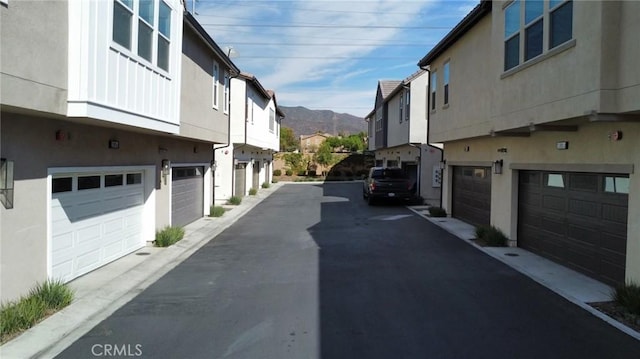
96 218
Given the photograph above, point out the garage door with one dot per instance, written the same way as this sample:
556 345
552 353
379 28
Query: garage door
96 218
576 219
240 179
472 195
187 195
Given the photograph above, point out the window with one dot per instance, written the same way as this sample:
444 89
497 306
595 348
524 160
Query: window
445 81
113 180
122 14
558 13
434 85
143 26
401 107
134 178
226 92
63 184
216 71
616 184
88 182
561 22
555 180
272 120
407 98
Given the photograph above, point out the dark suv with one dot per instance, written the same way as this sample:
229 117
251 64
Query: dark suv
388 183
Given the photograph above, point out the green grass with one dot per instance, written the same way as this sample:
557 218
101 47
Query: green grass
43 300
253 191
266 185
628 296
168 236
235 200
216 211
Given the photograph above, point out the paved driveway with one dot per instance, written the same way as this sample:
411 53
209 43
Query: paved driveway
313 272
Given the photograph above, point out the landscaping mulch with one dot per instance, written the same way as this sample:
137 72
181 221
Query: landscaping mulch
619 313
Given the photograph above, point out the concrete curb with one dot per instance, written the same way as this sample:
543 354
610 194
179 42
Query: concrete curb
54 334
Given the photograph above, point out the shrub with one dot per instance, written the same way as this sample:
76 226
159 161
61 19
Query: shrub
288 172
266 185
234 200
302 173
277 173
274 180
43 300
253 191
628 296
54 293
168 236
492 236
216 211
437 212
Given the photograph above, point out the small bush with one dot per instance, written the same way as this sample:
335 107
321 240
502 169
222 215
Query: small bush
437 212
216 211
492 236
277 173
628 296
288 172
168 236
234 200
274 181
54 293
43 300
266 185
253 191
302 173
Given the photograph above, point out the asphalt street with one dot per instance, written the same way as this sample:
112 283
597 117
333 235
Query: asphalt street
313 272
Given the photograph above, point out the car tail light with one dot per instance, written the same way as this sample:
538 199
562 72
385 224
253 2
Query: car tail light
372 186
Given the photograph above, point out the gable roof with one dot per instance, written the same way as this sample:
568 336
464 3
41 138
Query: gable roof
195 26
457 32
387 87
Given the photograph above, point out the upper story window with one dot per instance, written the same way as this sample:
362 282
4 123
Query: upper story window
445 81
148 24
525 19
378 121
433 84
401 107
216 87
226 92
272 120
407 98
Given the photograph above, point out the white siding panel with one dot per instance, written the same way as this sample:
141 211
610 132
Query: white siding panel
112 79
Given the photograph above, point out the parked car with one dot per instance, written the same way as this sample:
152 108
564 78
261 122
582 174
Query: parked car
388 183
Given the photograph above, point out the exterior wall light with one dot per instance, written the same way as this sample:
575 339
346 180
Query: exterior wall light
166 170
497 167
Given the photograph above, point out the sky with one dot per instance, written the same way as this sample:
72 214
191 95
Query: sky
328 54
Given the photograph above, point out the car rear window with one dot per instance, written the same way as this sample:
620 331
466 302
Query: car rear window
388 173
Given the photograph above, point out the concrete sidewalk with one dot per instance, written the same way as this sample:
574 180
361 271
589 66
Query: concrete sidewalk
573 286
100 293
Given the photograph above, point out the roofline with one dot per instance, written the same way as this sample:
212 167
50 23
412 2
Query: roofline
195 26
482 9
254 80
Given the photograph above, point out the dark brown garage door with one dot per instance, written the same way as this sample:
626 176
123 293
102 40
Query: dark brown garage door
472 195
187 195
576 219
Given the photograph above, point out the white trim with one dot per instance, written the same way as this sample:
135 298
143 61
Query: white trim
115 115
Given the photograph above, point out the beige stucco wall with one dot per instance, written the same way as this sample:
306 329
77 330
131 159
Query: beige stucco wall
31 143
198 118
28 79
590 146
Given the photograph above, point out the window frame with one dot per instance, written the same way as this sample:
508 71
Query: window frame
445 82
227 81
433 89
215 86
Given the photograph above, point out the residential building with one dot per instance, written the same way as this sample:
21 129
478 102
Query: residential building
254 137
311 143
100 128
537 104
400 125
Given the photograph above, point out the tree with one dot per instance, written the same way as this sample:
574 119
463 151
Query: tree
324 155
288 141
295 161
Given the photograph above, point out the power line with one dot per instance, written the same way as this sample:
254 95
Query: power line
318 26
330 44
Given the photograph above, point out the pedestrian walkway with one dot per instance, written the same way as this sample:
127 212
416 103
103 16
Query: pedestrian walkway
100 293
573 286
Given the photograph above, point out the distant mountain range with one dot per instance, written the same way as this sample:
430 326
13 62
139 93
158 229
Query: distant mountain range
304 121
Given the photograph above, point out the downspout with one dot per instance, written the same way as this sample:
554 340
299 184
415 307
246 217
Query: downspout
428 70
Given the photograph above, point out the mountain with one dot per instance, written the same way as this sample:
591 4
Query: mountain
306 122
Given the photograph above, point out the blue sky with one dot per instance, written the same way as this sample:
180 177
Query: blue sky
329 54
